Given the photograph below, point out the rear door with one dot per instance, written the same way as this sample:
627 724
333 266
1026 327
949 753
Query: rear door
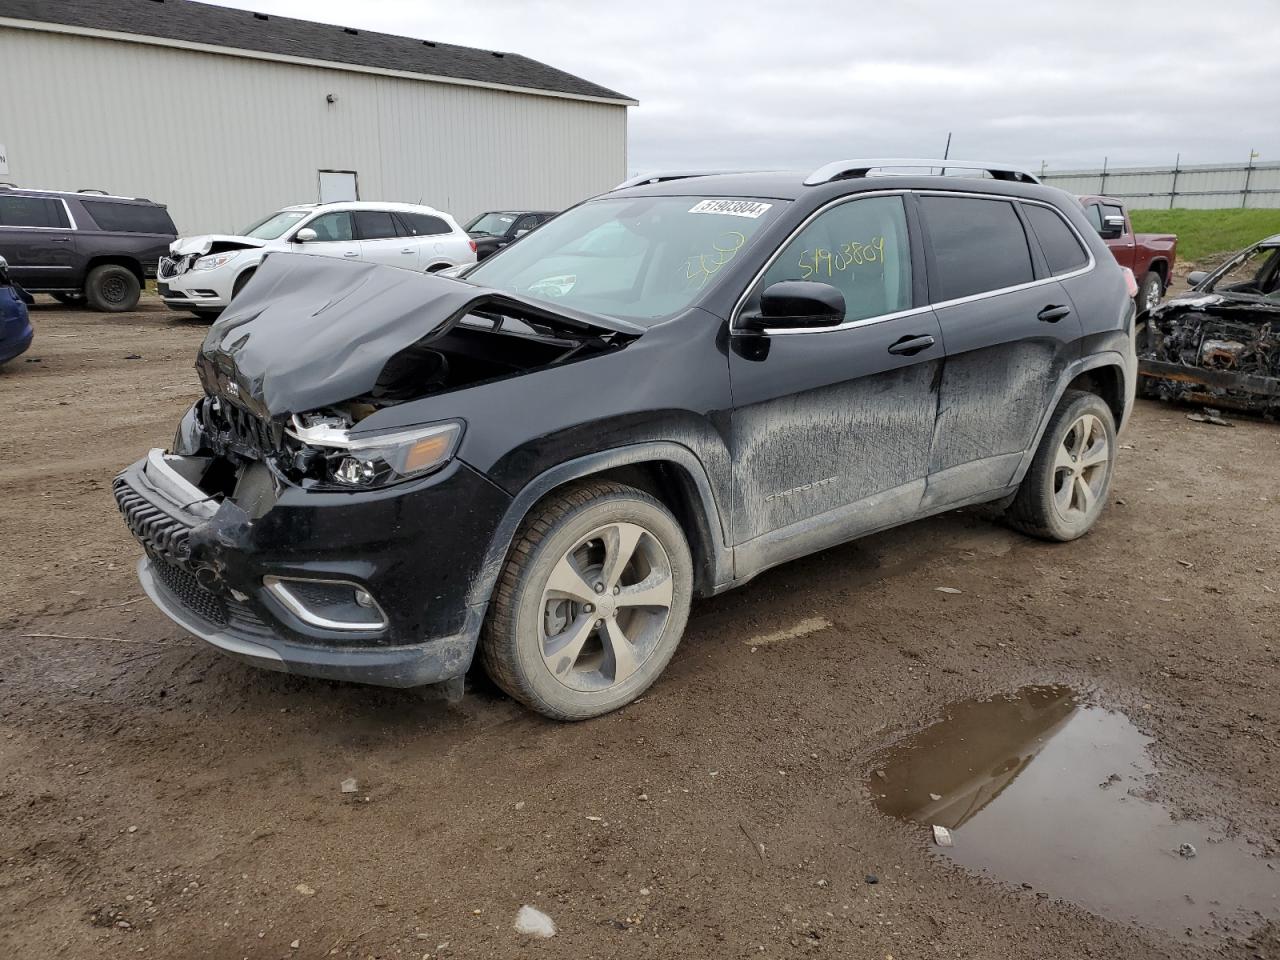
437 242
831 428
37 237
1010 330
381 240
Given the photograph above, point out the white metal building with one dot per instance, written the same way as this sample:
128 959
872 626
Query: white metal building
225 115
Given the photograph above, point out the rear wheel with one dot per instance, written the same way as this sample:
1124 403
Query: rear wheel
591 604
1150 290
112 288
1069 480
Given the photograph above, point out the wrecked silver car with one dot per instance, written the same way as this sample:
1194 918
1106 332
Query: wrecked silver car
1220 343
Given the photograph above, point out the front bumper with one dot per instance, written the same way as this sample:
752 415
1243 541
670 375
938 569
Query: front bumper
415 547
241 635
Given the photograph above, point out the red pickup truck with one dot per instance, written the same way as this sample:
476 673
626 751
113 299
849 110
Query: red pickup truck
1149 255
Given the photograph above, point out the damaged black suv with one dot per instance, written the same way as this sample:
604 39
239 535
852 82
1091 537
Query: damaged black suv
659 394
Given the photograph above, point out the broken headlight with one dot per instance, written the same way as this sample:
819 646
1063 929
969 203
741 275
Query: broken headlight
215 261
365 462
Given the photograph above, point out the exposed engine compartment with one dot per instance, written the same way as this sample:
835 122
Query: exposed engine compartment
1218 350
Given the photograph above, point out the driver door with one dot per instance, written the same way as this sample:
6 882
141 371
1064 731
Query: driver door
335 236
832 427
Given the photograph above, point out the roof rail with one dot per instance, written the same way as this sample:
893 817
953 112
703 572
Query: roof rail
93 190
848 169
668 175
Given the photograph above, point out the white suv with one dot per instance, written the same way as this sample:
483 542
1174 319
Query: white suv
202 274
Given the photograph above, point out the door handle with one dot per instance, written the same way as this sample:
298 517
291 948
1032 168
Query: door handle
59 239
910 346
407 250
1052 314
351 253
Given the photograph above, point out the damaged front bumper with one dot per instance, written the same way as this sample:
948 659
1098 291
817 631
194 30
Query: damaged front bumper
216 572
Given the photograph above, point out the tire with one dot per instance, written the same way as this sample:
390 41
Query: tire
1150 290
584 529
70 299
111 288
240 282
1058 500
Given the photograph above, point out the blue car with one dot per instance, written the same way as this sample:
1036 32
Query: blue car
15 324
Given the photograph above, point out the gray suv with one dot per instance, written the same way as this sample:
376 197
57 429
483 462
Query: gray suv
85 246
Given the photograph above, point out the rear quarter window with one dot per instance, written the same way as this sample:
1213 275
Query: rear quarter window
978 246
129 217
1061 248
424 225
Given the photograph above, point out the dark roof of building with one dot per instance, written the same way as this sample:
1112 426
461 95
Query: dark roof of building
192 22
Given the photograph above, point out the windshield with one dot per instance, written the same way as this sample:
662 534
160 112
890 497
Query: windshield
495 224
638 258
274 225
1255 272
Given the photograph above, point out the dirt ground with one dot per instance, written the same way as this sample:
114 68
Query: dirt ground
160 800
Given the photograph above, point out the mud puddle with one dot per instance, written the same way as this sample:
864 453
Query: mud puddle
1043 789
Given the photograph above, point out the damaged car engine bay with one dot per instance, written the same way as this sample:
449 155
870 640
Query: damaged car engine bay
1220 344
253 447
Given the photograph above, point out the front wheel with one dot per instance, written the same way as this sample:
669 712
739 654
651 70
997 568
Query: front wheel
1069 480
591 604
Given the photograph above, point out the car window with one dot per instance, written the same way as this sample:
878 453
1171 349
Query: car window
639 258
423 225
332 226
1255 272
978 245
1094 212
525 223
129 217
32 212
1058 241
861 249
269 228
494 224
1110 210
375 225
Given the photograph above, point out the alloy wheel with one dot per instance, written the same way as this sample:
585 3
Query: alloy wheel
1080 468
605 606
1152 294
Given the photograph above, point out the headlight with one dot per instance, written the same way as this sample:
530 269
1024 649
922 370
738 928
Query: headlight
381 459
214 261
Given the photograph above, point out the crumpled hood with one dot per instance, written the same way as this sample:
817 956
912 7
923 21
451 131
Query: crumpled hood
207 242
1226 302
311 331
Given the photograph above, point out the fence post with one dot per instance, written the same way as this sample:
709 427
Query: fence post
1173 190
1248 175
1102 186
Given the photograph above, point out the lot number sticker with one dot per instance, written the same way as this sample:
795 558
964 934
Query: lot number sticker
733 208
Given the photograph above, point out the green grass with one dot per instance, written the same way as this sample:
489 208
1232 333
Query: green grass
1208 234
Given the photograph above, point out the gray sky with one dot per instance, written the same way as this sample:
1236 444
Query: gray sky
754 85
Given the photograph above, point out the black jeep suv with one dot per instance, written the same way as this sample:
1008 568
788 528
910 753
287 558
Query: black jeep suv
659 394
83 246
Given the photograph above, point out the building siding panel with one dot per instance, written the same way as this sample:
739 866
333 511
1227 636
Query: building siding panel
224 140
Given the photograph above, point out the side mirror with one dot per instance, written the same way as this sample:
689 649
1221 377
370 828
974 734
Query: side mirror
796 304
305 235
1112 227
521 233
1197 277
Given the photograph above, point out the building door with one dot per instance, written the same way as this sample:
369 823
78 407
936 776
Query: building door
338 185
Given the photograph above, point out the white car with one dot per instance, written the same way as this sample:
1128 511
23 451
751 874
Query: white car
202 274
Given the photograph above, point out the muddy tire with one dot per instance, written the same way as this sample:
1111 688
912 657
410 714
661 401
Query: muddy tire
591 604
1150 290
111 288
1069 480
